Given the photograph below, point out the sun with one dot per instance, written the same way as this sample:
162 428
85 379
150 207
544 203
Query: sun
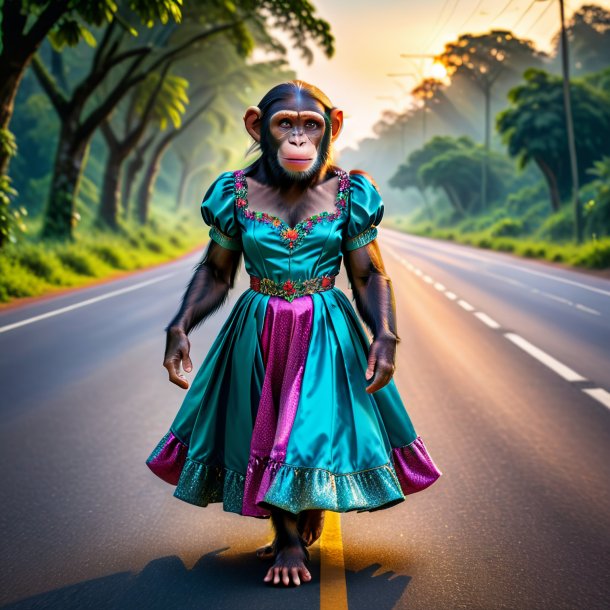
437 70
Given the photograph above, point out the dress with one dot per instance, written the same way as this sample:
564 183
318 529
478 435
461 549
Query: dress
277 414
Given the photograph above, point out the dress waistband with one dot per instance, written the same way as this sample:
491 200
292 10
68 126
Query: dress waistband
290 289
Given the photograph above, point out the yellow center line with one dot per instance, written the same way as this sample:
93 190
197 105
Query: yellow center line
333 588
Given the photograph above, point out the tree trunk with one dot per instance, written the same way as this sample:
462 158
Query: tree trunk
60 216
185 177
551 181
18 48
454 199
148 181
133 169
11 73
108 212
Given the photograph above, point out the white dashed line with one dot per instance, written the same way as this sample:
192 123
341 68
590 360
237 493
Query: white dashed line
561 369
102 297
600 395
555 365
588 309
465 305
487 320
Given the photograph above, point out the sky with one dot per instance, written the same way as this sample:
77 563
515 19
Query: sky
371 35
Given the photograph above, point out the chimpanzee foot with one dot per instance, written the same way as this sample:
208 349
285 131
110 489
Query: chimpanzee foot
310 524
290 565
267 551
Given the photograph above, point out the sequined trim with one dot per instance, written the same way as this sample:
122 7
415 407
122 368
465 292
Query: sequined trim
167 458
290 289
367 236
225 241
201 484
414 467
296 488
291 236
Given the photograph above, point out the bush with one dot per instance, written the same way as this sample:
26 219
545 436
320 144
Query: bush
595 254
558 227
79 260
112 255
17 282
507 227
521 202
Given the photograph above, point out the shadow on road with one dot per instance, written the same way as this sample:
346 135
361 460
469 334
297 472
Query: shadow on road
216 582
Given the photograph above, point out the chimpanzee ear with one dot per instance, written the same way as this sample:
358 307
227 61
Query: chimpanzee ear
336 123
252 121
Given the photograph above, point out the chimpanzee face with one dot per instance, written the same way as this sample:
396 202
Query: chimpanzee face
297 137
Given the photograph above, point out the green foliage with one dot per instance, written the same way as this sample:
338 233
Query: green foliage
594 254
78 259
8 144
12 220
558 226
534 126
71 27
507 227
29 269
596 198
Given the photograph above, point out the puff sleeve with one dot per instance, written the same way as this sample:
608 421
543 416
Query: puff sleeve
218 212
366 212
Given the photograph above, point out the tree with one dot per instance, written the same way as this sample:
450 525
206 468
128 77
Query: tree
534 129
484 59
589 34
453 166
159 99
243 23
25 25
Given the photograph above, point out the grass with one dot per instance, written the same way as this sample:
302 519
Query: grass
594 254
32 268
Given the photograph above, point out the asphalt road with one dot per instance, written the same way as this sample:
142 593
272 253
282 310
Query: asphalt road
504 366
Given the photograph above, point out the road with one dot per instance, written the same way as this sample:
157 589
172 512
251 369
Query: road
504 366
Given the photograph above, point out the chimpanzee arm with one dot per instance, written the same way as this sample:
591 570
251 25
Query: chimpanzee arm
374 298
206 292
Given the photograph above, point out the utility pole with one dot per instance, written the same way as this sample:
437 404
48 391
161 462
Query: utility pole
567 104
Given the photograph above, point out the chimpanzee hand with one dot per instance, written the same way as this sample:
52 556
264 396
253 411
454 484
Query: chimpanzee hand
177 349
382 354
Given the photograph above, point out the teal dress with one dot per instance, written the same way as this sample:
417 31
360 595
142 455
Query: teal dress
277 415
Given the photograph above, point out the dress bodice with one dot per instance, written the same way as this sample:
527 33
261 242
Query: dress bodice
312 248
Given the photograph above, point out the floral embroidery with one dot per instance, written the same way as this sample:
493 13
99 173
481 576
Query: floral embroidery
291 236
290 289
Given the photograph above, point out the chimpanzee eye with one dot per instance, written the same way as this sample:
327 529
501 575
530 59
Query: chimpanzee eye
285 123
312 124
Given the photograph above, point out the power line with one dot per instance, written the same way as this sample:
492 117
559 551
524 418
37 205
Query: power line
503 10
472 14
542 14
451 13
527 10
435 30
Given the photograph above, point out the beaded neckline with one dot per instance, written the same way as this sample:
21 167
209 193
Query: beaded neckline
291 236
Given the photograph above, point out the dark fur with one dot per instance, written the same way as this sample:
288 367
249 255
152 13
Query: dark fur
267 164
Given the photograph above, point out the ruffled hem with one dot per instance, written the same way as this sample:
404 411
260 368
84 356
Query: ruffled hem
295 488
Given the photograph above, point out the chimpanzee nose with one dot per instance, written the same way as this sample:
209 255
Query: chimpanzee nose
298 138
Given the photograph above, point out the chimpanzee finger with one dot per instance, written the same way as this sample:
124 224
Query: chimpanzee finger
187 365
173 369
